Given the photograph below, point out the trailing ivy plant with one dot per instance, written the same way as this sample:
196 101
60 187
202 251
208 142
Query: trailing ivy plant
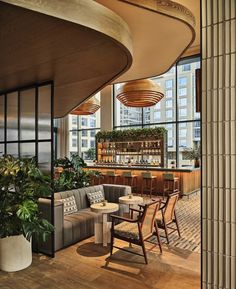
131 134
21 185
72 175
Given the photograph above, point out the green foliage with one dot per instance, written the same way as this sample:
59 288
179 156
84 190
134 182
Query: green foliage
91 154
21 185
193 153
73 176
131 134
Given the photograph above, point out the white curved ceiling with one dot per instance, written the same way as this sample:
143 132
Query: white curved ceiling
161 33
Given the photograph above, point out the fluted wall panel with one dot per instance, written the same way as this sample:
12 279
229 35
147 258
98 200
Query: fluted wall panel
219 144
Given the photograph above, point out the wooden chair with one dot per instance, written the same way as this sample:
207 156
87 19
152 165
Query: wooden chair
137 230
168 216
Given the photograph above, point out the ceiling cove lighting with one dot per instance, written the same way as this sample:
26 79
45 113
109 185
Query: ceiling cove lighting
140 93
88 107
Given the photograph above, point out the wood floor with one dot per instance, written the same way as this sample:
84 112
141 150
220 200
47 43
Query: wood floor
86 266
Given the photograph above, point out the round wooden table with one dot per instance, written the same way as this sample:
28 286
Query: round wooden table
135 200
102 229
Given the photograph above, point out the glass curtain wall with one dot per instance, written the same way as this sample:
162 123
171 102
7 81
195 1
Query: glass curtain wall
176 111
82 131
26 130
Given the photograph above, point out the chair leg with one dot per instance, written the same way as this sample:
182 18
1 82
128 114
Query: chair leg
111 245
158 237
177 225
144 252
166 231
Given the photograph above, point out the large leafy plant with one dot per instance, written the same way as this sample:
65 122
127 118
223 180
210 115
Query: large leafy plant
72 175
21 185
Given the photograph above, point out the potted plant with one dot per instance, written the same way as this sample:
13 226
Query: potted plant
194 154
21 185
72 175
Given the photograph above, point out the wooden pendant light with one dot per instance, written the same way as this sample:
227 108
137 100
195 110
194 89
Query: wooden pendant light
88 107
140 93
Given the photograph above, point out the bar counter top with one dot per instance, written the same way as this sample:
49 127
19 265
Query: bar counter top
189 177
149 168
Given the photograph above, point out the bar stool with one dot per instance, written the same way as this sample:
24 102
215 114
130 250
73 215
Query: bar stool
171 184
112 177
130 179
148 183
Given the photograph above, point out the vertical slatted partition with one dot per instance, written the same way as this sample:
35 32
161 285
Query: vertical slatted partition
219 144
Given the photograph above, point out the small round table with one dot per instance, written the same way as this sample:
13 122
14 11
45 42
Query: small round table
135 200
102 229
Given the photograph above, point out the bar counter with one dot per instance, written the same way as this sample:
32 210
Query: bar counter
189 177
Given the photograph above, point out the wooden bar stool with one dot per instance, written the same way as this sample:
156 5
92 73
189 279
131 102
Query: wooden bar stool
148 183
130 179
112 177
170 184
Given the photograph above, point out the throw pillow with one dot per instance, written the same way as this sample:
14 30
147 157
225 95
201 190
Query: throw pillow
95 197
70 206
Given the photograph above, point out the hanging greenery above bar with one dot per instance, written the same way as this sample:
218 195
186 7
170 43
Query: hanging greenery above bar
131 134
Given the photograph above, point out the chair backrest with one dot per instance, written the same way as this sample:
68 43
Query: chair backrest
170 207
148 217
168 176
110 173
127 174
146 175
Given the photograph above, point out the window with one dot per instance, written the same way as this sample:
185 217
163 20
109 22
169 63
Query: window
169 103
183 133
169 93
169 83
84 143
182 101
92 133
182 142
84 133
183 112
182 81
84 121
74 142
157 116
182 91
92 123
169 113
183 126
74 119
186 67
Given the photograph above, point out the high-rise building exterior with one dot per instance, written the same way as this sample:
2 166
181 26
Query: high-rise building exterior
176 111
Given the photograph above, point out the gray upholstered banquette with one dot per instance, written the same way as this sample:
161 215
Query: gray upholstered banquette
72 228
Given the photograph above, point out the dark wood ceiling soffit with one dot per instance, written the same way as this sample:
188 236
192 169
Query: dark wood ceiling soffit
80 45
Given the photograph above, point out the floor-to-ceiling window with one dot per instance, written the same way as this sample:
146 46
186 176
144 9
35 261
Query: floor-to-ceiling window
82 130
176 111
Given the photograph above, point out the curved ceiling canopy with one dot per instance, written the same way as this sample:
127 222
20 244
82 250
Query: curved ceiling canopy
162 30
80 45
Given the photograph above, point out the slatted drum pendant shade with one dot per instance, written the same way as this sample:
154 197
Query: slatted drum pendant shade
140 93
88 107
